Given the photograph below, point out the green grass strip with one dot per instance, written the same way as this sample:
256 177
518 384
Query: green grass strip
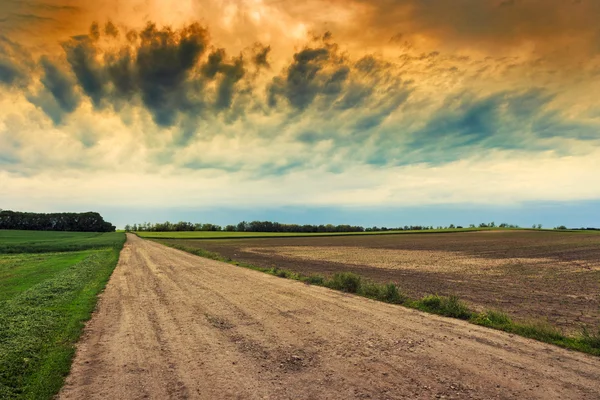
449 306
40 326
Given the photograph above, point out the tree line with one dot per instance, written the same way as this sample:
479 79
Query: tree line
268 226
253 226
75 222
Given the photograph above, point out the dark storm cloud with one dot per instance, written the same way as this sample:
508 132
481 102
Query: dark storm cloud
168 69
158 67
15 64
60 85
44 100
323 79
179 77
302 81
212 66
260 56
111 30
58 97
231 74
121 73
173 73
163 64
95 31
82 56
10 73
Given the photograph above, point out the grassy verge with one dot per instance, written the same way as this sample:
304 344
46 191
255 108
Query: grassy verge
587 342
46 299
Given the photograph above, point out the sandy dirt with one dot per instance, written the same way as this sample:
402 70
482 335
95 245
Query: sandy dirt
171 325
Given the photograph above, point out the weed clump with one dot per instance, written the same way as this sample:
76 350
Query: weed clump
388 293
447 306
345 281
391 294
318 280
370 290
493 319
279 272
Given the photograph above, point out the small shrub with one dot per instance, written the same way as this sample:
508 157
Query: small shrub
494 319
447 306
345 281
315 280
279 272
294 275
391 294
433 302
371 290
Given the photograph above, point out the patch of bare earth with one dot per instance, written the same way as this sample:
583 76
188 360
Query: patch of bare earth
552 276
418 260
171 325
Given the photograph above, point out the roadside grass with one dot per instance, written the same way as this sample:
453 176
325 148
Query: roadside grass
45 299
588 341
16 241
447 306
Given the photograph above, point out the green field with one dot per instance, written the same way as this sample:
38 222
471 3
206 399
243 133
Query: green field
49 283
248 235
48 241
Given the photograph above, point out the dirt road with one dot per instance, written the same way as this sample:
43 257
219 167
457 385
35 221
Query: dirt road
171 325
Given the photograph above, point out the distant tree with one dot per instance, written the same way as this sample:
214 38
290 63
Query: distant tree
78 222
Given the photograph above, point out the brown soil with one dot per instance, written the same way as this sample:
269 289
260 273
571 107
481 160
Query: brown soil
171 325
527 274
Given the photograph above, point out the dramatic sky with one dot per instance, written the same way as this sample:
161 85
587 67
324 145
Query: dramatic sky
378 112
